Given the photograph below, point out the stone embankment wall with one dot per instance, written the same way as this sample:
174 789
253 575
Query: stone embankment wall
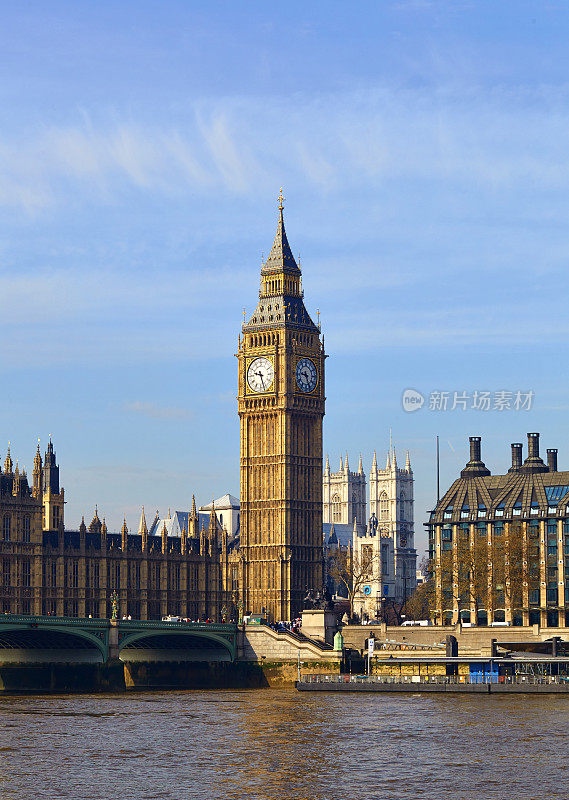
258 642
471 641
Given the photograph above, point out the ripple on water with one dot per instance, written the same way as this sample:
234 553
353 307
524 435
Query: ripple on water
281 745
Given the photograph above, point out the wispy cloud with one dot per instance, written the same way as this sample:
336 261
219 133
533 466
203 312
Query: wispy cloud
328 142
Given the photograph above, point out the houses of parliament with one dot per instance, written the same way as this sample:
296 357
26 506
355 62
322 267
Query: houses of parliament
190 564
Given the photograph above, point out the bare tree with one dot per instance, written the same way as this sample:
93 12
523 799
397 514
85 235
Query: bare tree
477 574
353 569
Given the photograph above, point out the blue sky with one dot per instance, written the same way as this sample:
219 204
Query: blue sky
424 151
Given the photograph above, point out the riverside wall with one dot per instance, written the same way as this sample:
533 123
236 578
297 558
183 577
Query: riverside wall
475 641
265 659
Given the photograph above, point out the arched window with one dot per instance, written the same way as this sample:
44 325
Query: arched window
26 530
383 506
336 508
221 520
402 499
7 528
355 506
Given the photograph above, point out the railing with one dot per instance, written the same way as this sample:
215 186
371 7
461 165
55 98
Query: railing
178 624
31 619
390 644
528 680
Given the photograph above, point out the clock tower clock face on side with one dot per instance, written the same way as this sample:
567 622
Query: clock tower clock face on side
260 375
306 375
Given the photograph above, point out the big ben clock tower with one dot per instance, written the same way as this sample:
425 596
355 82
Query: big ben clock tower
281 406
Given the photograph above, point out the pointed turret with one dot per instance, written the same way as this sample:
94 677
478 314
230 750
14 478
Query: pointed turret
184 537
212 519
388 462
16 481
37 472
142 527
82 527
341 464
50 470
408 463
327 467
394 462
281 286
124 535
332 538
104 529
164 537
346 465
360 466
193 531
374 466
354 534
8 464
95 526
280 258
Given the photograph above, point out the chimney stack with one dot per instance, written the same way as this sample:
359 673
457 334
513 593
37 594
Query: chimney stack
552 459
475 466
475 449
533 462
516 456
533 445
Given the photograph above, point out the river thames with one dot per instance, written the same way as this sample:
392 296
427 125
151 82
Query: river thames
278 744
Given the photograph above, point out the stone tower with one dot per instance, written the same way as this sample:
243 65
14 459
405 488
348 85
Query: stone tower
391 511
344 494
281 406
53 497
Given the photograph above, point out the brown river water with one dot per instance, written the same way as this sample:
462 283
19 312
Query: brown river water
280 745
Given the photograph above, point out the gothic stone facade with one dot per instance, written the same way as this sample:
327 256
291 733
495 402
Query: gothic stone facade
49 570
388 533
521 515
280 406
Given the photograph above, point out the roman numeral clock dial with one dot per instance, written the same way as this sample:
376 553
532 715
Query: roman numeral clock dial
306 375
260 375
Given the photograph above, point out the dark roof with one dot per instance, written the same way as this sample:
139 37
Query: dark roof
280 258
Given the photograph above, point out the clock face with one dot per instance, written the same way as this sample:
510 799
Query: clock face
306 375
260 375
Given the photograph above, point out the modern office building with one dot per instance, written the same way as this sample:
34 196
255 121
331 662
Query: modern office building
499 544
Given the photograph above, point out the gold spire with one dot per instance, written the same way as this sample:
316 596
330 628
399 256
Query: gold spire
142 527
8 464
281 199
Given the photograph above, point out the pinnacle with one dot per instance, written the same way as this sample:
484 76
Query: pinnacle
281 257
142 527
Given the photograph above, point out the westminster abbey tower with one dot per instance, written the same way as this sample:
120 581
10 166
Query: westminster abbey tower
281 406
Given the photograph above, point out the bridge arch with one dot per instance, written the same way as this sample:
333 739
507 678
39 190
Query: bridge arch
176 645
30 642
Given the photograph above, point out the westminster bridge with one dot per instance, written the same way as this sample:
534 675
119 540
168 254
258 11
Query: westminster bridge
36 639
